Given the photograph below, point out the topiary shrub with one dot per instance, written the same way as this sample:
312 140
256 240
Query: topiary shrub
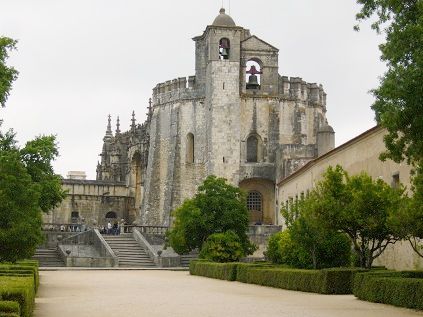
222 247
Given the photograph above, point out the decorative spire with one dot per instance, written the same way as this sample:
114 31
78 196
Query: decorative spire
150 109
117 125
109 133
133 121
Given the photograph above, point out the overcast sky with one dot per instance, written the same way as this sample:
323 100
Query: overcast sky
80 60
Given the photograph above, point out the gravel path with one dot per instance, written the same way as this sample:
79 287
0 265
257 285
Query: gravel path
174 294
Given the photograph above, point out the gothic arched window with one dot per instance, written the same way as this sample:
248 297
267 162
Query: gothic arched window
252 148
190 148
224 48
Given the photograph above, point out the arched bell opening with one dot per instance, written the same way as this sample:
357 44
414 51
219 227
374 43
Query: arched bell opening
224 48
253 74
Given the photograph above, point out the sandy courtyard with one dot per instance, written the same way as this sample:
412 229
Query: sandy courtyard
168 293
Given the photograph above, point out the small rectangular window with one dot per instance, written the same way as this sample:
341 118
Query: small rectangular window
395 180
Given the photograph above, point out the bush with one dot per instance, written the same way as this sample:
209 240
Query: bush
8 307
222 247
19 289
221 271
404 289
326 281
22 268
288 248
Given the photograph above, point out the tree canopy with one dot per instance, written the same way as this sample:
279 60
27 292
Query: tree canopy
217 207
399 98
360 207
7 73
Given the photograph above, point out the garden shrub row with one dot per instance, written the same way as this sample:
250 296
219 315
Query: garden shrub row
9 308
326 281
404 289
18 285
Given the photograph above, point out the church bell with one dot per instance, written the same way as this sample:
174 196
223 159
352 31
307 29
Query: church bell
224 53
253 82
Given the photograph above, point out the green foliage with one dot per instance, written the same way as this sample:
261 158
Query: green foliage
282 249
326 281
399 98
221 271
216 208
28 186
8 307
403 289
309 244
18 289
222 247
360 207
7 74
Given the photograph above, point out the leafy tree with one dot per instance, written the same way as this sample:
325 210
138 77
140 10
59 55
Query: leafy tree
216 208
326 247
7 74
399 98
222 247
361 208
25 191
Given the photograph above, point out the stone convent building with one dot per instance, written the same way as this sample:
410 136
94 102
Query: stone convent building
236 118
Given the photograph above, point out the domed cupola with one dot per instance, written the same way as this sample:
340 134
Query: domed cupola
223 19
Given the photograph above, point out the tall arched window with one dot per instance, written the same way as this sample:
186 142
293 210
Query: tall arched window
224 48
190 148
252 148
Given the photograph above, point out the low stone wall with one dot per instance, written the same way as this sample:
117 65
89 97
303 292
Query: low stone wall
87 249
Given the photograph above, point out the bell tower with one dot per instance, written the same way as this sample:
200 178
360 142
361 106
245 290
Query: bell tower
219 70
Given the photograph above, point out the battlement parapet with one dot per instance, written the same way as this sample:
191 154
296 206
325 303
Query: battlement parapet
296 88
177 89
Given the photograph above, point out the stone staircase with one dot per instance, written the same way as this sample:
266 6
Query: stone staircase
128 251
48 258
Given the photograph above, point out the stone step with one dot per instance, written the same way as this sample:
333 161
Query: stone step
128 251
48 258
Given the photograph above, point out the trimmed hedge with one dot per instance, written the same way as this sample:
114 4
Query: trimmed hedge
19 289
9 307
24 265
404 289
222 271
326 281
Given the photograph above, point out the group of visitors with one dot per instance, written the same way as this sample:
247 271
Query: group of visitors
114 229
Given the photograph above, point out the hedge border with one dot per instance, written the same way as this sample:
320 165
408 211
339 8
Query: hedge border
403 289
326 281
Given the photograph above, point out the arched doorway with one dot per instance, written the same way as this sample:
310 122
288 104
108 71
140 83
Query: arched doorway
260 200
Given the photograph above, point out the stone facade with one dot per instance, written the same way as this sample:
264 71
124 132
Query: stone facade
249 136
